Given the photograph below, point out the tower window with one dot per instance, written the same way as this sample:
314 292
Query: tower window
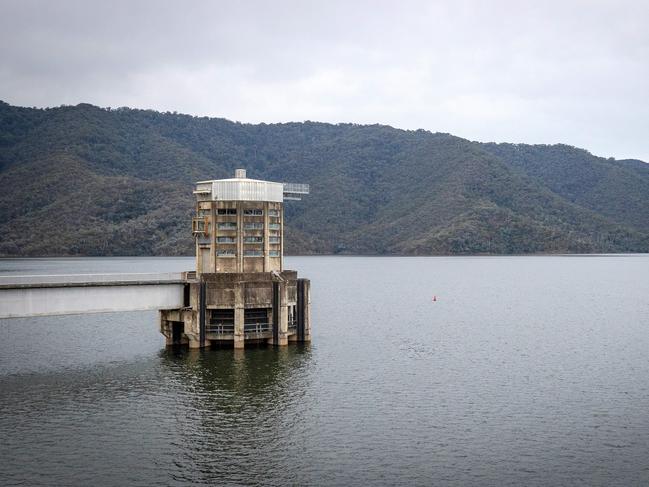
253 239
227 226
253 226
199 225
253 253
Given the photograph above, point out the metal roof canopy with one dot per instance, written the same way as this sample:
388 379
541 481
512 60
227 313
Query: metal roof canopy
241 188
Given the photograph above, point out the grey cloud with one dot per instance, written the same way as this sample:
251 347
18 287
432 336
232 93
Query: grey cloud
537 72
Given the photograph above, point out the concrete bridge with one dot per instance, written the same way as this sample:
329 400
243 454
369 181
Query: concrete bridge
23 296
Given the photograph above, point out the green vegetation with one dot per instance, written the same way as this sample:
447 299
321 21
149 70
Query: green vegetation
81 180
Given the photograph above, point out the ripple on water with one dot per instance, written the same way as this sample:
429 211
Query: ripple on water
518 374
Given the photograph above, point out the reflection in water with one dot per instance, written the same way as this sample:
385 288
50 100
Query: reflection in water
239 405
253 372
190 416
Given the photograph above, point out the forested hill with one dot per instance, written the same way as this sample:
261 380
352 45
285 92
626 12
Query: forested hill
82 180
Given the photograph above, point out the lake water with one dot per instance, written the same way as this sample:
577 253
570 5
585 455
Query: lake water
524 371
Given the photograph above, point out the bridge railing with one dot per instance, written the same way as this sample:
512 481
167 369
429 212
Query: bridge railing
220 328
8 280
256 327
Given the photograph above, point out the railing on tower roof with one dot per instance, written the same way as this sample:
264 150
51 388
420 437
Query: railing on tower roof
294 191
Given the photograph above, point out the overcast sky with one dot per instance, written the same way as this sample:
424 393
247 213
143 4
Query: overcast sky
537 71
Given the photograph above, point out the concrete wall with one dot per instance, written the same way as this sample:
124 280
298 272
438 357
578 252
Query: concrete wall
208 246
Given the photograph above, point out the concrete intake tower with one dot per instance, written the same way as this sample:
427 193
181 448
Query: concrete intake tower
240 292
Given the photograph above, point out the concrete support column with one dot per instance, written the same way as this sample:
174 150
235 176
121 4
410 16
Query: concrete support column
307 310
239 256
281 237
191 318
303 309
266 235
202 312
280 315
239 315
212 229
165 328
198 252
283 314
191 330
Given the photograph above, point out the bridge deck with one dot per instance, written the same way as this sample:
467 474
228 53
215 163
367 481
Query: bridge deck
22 296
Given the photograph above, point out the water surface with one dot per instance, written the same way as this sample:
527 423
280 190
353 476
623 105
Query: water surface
525 370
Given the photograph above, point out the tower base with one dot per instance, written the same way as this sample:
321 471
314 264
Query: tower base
239 308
